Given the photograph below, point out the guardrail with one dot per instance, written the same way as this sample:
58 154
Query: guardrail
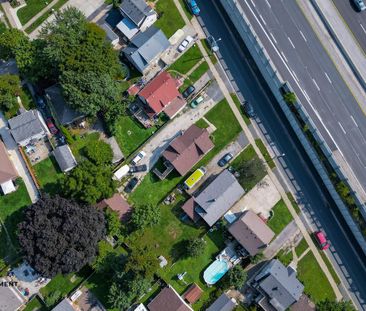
275 81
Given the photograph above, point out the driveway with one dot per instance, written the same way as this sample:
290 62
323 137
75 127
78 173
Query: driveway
17 159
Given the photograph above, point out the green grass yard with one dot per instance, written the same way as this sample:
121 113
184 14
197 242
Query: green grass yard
35 305
195 76
301 247
33 7
80 142
285 256
330 268
187 61
170 19
237 104
209 52
265 153
48 175
281 217
293 202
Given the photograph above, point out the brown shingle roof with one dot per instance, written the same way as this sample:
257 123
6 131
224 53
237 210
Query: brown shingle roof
188 208
186 150
118 204
193 293
7 169
251 232
168 300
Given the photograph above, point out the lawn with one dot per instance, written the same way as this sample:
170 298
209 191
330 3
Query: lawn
194 76
152 190
130 134
170 19
285 256
187 61
31 9
330 268
48 175
11 213
281 217
265 153
301 247
208 51
293 202
81 142
2 27
201 123
240 108
35 305
248 158
316 284
186 9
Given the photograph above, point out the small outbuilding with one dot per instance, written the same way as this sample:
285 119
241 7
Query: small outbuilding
117 204
64 157
193 293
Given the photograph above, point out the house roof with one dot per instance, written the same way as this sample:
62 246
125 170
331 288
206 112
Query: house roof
145 47
9 298
193 293
26 125
223 303
189 208
127 27
218 197
64 305
64 157
111 35
7 169
160 91
64 113
280 284
136 10
168 300
118 204
186 150
251 232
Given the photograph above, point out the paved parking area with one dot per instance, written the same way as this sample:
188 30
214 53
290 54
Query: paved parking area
38 150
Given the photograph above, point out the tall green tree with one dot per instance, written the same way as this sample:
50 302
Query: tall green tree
236 277
9 90
142 261
195 247
145 216
332 305
99 152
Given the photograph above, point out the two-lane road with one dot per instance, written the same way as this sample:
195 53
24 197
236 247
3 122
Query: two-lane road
320 208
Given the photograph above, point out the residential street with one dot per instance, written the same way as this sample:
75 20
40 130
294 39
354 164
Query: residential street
17 159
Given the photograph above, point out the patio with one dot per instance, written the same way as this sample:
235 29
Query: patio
38 150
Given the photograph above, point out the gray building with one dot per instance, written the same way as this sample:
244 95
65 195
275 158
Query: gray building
27 126
64 157
218 197
223 303
10 299
146 48
278 286
110 34
64 305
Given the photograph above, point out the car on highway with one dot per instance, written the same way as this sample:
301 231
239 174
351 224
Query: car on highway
321 240
192 4
185 43
248 109
212 43
138 157
51 126
131 185
138 168
360 4
196 102
225 159
188 91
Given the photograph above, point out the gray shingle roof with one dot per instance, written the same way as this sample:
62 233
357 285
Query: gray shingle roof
9 300
64 158
64 305
146 46
136 10
218 197
280 284
111 35
223 303
26 125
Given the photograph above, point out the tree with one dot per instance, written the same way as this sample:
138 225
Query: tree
107 258
99 152
60 236
236 277
113 222
145 216
196 247
9 90
142 261
250 171
332 305
256 258
119 298
89 183
290 98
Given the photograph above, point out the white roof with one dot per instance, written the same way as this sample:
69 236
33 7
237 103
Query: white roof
123 171
127 27
8 187
140 307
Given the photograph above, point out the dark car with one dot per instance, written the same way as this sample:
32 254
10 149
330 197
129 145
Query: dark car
225 159
40 101
248 109
53 129
131 184
138 168
188 91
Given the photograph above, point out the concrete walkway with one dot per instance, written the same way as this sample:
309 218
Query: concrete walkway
14 21
39 14
273 177
17 159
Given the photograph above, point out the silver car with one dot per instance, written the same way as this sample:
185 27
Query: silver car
360 4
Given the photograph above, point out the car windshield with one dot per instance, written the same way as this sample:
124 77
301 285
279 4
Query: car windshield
323 244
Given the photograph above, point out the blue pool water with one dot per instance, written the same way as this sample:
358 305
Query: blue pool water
215 271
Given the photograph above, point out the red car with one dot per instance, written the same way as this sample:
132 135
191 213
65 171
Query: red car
322 241
53 129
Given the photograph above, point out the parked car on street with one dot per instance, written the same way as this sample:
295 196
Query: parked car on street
185 43
138 157
193 7
248 109
212 43
225 159
360 4
138 168
321 239
53 129
131 185
188 91
196 102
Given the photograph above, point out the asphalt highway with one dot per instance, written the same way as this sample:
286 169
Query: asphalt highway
355 20
319 207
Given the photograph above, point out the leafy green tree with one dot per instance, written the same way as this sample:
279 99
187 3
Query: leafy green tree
196 247
119 298
113 222
332 305
9 90
257 258
99 152
145 216
290 98
52 298
142 261
89 183
107 259
235 277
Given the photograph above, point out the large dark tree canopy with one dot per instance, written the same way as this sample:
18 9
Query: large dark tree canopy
59 236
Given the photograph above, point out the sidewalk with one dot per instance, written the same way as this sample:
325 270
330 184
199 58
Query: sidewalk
39 14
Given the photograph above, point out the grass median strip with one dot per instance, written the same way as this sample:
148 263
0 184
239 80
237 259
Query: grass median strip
264 151
240 108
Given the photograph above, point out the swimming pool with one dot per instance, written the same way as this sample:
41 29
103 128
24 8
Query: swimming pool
215 271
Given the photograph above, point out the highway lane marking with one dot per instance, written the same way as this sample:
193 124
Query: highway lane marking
274 39
342 128
295 76
268 4
306 95
261 17
283 55
316 84
290 42
330 81
303 36
354 121
252 2
364 30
